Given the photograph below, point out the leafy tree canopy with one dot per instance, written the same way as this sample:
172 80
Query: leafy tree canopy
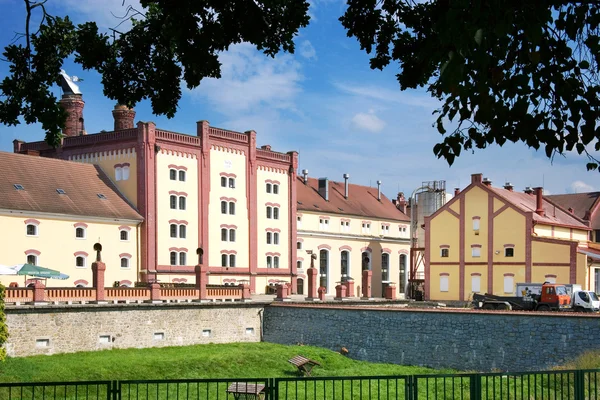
169 42
505 70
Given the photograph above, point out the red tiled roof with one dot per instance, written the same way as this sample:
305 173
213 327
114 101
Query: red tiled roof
555 215
362 201
583 205
40 177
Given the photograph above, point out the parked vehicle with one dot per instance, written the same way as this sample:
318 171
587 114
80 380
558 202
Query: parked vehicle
541 297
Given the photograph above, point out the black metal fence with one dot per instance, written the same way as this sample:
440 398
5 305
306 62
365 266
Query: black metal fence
544 385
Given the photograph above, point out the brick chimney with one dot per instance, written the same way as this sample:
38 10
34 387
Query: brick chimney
124 117
476 178
539 193
456 191
486 182
73 104
401 202
508 186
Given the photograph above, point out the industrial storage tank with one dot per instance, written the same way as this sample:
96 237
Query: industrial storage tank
428 202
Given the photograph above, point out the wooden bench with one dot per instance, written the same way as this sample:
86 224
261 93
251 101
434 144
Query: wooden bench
244 390
304 365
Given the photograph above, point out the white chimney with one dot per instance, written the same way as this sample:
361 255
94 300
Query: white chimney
379 190
305 175
346 177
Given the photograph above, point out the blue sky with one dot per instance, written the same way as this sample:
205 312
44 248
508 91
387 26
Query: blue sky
323 101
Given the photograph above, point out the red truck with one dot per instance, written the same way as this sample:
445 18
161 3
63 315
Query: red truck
552 297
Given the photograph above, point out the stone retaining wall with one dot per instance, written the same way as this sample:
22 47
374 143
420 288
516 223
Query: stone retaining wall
461 340
66 329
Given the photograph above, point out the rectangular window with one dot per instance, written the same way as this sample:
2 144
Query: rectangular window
508 283
444 252
475 251
509 252
475 283
444 283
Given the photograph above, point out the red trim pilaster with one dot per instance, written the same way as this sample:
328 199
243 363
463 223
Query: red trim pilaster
490 278
528 235
146 177
461 251
427 258
573 263
251 188
202 128
293 207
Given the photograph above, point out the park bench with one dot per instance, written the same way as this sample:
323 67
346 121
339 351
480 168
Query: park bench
304 365
244 390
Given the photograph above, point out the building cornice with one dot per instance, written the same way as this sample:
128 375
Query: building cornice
343 214
353 237
67 217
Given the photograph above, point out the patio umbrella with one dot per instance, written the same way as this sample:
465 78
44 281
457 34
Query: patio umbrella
6 270
35 270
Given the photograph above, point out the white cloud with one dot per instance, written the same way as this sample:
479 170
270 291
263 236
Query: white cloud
581 187
107 13
368 122
307 50
252 81
409 98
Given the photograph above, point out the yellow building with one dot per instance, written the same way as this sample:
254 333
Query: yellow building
487 239
53 211
350 228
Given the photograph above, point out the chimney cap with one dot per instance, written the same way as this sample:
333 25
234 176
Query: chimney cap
304 172
346 176
379 182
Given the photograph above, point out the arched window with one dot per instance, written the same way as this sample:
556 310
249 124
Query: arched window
298 264
275 238
275 261
231 208
402 277
223 235
80 262
223 181
223 260
232 260
299 245
323 267
268 188
232 235
118 173
124 235
32 230
182 231
173 258
182 203
124 262
80 233
223 207
269 262
182 176
275 212
173 230
173 202
32 259
385 267
269 212
173 174
366 260
125 172
231 183
182 258
344 257
275 189
269 235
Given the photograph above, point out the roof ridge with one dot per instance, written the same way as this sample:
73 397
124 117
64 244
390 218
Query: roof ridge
565 211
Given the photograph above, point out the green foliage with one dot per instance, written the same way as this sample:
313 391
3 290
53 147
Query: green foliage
167 44
3 327
234 360
505 70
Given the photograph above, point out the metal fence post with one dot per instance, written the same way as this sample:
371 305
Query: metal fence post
475 387
579 390
272 392
114 390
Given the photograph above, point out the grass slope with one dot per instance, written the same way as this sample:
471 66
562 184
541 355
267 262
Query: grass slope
237 360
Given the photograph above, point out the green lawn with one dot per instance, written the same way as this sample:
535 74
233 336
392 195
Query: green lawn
236 360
